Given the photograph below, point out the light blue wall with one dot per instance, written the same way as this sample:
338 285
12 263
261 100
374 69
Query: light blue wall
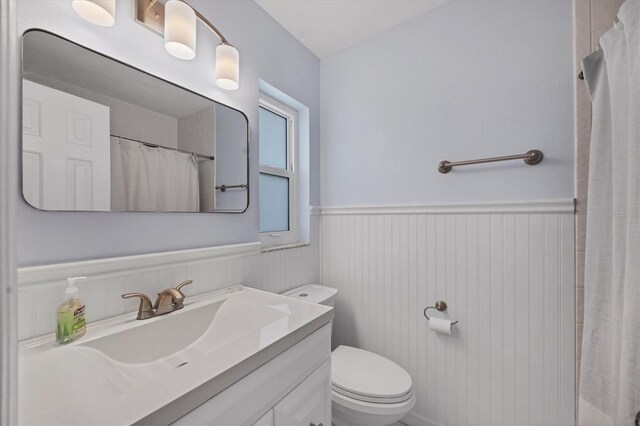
268 52
470 79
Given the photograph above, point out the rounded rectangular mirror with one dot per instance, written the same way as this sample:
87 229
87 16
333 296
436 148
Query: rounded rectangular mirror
99 135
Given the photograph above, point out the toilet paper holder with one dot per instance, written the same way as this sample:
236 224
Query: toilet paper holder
441 306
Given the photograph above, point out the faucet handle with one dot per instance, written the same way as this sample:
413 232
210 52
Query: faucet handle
145 308
182 284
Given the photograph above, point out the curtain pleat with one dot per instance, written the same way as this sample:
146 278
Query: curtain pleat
151 179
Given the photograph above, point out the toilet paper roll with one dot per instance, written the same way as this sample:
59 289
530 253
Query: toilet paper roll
440 325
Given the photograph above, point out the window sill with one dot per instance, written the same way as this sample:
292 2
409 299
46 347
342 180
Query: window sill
286 247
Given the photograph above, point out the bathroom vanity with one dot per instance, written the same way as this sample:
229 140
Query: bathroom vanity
292 389
233 356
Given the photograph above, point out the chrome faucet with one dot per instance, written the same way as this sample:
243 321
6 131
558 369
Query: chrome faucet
168 300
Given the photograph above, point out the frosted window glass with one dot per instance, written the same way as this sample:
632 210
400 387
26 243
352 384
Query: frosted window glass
274 203
273 139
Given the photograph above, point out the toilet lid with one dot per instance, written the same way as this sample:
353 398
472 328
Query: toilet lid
361 373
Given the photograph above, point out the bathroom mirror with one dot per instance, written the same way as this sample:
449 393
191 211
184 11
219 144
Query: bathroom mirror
100 135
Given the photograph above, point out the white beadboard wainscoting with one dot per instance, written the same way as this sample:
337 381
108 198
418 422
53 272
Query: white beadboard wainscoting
41 288
505 270
507 273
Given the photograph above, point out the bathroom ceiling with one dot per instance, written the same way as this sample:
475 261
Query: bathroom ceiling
327 26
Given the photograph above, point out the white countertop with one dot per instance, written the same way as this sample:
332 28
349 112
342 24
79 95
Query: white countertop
125 371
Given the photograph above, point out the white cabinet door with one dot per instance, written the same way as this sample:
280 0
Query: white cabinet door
266 420
66 150
309 403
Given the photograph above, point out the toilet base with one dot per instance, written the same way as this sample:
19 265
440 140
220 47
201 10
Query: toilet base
349 412
337 421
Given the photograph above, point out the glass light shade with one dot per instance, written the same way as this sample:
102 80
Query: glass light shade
99 12
180 29
227 67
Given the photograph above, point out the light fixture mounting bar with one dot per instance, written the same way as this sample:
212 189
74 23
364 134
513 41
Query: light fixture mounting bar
150 14
209 25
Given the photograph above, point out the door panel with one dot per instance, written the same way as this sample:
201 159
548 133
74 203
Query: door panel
78 128
31 117
79 184
67 155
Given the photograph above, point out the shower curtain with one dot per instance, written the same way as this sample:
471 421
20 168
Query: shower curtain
609 391
152 179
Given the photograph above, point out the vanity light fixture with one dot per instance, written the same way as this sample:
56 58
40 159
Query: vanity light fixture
99 12
227 67
180 29
176 21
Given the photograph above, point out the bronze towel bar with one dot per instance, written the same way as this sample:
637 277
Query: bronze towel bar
531 158
224 188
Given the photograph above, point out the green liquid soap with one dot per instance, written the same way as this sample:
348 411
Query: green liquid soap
71 323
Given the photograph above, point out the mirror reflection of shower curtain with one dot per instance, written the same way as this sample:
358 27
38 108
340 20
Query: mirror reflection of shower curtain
610 366
144 178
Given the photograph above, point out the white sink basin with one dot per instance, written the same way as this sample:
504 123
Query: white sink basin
157 361
156 340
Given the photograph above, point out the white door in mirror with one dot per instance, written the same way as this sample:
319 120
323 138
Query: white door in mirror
66 151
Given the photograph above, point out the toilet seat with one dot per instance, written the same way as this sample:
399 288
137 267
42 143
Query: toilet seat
375 400
368 377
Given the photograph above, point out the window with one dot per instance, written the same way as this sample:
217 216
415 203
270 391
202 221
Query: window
278 180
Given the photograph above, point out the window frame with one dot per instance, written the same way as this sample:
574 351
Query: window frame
277 238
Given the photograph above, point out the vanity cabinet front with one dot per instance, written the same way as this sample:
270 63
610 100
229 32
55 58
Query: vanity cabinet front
309 403
293 389
266 420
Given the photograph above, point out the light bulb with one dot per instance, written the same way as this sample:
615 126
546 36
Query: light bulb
99 12
227 67
180 29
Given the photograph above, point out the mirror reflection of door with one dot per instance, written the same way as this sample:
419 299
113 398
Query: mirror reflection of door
100 135
66 163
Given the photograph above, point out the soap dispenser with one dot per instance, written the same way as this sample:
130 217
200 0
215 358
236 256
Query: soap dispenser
71 323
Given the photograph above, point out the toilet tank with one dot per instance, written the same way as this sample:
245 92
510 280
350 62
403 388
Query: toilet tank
314 293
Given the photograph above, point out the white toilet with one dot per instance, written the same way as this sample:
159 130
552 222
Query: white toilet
366 388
